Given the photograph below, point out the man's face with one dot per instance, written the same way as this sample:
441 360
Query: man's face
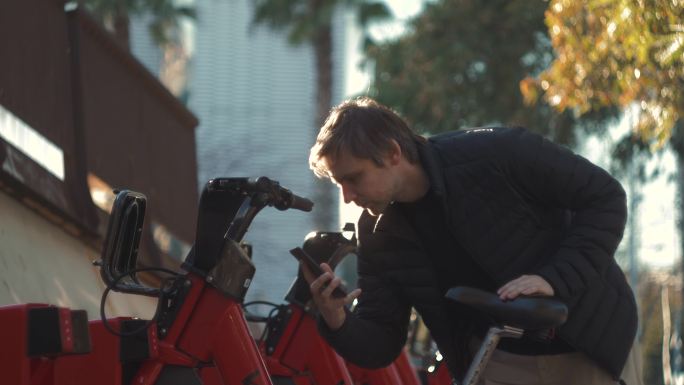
362 181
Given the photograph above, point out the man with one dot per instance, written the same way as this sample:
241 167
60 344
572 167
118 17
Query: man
500 209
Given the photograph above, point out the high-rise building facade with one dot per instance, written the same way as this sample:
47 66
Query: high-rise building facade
254 95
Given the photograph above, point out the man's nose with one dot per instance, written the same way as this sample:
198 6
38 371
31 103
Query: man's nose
347 194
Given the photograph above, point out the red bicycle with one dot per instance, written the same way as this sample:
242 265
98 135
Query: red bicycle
291 345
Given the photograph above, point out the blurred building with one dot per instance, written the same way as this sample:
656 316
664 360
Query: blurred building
79 116
254 95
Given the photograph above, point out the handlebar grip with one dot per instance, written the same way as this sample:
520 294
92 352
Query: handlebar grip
301 203
282 198
288 200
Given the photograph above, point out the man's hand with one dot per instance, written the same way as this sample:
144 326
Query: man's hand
525 285
330 308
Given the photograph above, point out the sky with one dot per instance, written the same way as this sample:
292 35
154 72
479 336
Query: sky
357 81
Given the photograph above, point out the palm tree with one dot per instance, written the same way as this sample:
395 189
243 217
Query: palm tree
310 22
115 16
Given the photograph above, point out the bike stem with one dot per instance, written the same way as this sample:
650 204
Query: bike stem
491 340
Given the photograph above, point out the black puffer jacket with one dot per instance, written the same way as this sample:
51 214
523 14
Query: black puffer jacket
518 204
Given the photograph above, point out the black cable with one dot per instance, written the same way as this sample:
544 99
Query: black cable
268 319
275 308
278 307
250 303
255 317
272 304
160 299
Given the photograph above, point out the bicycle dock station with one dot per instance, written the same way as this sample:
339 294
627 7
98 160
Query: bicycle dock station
199 334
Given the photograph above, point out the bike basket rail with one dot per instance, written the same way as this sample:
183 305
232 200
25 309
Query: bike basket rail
120 250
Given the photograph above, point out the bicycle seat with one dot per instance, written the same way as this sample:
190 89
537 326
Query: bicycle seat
528 313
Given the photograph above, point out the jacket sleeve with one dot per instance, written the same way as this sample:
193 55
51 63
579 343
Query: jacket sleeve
373 335
553 176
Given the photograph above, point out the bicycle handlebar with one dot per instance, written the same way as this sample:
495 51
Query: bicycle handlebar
282 198
264 192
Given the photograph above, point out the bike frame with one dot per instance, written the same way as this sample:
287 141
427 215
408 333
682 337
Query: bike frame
301 352
292 346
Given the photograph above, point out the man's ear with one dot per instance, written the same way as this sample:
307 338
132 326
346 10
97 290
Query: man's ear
394 153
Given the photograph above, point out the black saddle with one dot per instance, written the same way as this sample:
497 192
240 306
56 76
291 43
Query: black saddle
527 313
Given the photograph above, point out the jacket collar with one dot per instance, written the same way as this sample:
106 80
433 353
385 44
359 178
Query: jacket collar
430 160
392 221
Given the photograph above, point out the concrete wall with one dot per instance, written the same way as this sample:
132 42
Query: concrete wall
41 263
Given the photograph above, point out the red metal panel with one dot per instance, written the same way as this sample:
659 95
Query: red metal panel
309 352
440 376
197 287
383 376
211 376
42 371
15 365
218 333
148 373
235 352
102 365
286 345
66 330
406 371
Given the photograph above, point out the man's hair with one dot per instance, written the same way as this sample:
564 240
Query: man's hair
364 128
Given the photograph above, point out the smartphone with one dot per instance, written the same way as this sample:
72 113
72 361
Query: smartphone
315 268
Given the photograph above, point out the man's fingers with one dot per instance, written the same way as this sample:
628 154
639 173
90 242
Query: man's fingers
531 290
323 286
509 293
514 288
320 282
510 290
310 275
526 285
352 296
327 268
335 282
331 308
